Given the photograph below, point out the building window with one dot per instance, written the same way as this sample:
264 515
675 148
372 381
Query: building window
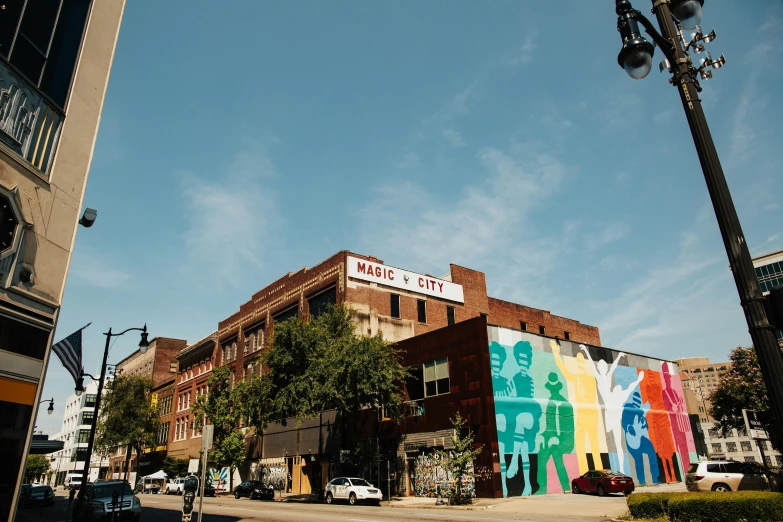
713 432
80 455
320 303
287 314
717 447
395 306
421 306
450 315
731 447
746 446
523 326
247 344
779 460
436 377
83 437
87 417
567 336
42 40
542 330
89 401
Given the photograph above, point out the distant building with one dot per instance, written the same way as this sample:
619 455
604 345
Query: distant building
699 379
769 270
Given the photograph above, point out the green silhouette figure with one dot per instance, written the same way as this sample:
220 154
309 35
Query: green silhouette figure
558 435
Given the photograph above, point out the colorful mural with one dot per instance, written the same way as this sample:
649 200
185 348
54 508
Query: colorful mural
562 409
431 473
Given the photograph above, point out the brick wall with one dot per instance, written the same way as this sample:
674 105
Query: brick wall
509 315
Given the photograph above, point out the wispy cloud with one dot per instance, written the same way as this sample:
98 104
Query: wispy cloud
92 268
609 234
453 138
230 216
525 53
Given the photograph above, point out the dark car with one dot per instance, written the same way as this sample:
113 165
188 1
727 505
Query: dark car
603 482
254 489
39 496
209 489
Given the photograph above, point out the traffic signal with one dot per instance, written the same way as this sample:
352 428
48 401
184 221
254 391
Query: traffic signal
773 303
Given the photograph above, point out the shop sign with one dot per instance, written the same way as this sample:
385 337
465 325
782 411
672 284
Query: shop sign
404 280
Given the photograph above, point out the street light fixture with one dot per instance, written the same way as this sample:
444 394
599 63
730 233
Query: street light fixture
50 409
673 16
143 346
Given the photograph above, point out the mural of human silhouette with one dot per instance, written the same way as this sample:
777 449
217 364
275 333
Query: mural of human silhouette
614 398
586 402
526 425
501 387
660 429
637 438
558 435
678 417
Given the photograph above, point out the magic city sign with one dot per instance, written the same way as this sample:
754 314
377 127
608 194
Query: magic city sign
404 280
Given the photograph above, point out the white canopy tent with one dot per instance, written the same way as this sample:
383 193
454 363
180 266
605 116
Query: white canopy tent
153 483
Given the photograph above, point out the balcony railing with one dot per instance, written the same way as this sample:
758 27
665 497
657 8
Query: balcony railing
29 123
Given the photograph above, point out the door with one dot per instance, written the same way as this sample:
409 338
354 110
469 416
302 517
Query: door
753 478
342 489
733 473
591 481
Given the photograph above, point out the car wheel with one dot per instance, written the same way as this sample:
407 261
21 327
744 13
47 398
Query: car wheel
329 498
352 499
721 487
575 488
601 490
236 494
168 491
377 502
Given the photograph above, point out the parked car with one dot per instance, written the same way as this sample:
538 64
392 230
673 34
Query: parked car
109 500
72 481
353 490
209 490
253 489
40 495
727 475
603 482
175 486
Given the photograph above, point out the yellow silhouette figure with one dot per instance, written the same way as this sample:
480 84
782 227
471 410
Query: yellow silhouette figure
586 407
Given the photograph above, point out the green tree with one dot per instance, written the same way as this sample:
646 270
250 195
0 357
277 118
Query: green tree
458 461
321 364
174 467
740 388
126 416
221 407
36 466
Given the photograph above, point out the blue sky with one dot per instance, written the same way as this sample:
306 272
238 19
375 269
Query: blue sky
243 140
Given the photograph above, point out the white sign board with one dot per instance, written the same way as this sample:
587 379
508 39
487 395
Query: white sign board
193 466
404 280
206 436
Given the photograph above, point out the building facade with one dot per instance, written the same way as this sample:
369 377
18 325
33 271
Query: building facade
398 303
700 378
55 59
194 366
769 271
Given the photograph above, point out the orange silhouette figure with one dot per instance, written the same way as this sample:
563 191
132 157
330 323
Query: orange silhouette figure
660 429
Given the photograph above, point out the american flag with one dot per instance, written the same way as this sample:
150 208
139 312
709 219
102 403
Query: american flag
69 350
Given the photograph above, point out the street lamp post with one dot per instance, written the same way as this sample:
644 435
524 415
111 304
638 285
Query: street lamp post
143 345
636 58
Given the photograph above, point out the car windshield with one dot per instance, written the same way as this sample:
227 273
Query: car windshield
359 482
107 490
41 489
612 473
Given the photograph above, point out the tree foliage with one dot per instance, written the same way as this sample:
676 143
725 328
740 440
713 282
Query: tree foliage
321 364
459 460
174 467
740 388
222 407
126 415
36 466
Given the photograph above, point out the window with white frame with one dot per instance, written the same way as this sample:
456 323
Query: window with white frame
436 377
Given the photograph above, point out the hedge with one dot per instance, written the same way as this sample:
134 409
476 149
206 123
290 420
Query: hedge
749 506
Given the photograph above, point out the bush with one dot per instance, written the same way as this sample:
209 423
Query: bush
748 506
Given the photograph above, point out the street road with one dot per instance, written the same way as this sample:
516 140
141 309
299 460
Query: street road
163 508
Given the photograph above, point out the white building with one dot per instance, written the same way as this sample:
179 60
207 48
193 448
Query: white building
75 432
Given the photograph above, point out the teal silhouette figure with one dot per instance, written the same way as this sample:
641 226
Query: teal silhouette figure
558 435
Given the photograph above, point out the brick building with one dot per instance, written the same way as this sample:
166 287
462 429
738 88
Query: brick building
194 365
395 302
159 364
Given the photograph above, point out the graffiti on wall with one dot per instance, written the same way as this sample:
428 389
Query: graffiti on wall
562 409
272 476
431 473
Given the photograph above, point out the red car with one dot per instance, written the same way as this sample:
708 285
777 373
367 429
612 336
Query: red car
603 482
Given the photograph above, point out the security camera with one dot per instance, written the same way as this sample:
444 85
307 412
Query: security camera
88 218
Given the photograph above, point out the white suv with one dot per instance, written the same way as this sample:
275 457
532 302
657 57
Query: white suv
175 486
72 481
353 490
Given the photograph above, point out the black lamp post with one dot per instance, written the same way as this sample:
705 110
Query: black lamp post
143 345
636 58
50 409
